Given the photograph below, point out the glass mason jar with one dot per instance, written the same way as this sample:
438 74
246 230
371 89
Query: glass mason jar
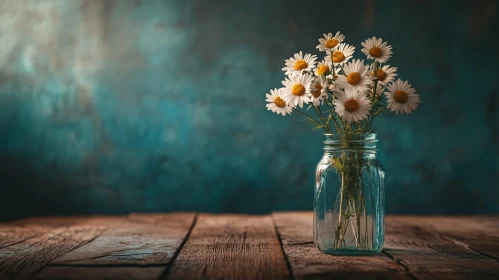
349 204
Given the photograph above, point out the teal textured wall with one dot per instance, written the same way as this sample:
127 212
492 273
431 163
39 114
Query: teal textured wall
119 106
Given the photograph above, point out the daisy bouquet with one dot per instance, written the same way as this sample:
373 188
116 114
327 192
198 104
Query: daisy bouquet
342 95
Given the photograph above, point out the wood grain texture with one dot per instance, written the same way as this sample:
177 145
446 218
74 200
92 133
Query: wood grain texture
12 234
307 262
100 272
427 254
24 258
140 239
480 233
143 246
231 247
21 230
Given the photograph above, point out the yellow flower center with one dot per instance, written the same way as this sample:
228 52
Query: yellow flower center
352 105
298 90
331 43
322 70
375 52
279 102
318 92
300 65
401 96
380 74
353 78
337 57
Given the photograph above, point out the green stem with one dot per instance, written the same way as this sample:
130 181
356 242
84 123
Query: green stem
356 236
322 118
375 87
368 125
316 121
340 215
341 66
334 71
338 128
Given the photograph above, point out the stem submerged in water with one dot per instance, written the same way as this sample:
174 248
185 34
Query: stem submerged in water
340 216
352 226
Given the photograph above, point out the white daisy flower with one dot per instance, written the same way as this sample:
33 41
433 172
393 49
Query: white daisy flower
355 76
377 50
296 89
385 74
402 98
330 42
299 63
319 91
352 106
323 68
276 104
341 55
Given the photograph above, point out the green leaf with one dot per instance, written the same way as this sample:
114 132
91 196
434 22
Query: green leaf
318 127
309 119
330 117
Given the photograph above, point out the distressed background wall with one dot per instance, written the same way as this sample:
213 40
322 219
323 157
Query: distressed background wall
119 106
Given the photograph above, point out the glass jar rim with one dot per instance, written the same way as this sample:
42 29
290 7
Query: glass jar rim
356 134
354 141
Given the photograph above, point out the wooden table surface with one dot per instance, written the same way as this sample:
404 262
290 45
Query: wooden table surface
207 246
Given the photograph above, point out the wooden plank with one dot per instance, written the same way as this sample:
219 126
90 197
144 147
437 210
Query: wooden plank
480 233
141 239
145 243
490 224
231 247
426 254
100 272
307 262
18 231
12 234
59 221
22 259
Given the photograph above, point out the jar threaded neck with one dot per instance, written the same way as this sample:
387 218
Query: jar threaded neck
350 142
